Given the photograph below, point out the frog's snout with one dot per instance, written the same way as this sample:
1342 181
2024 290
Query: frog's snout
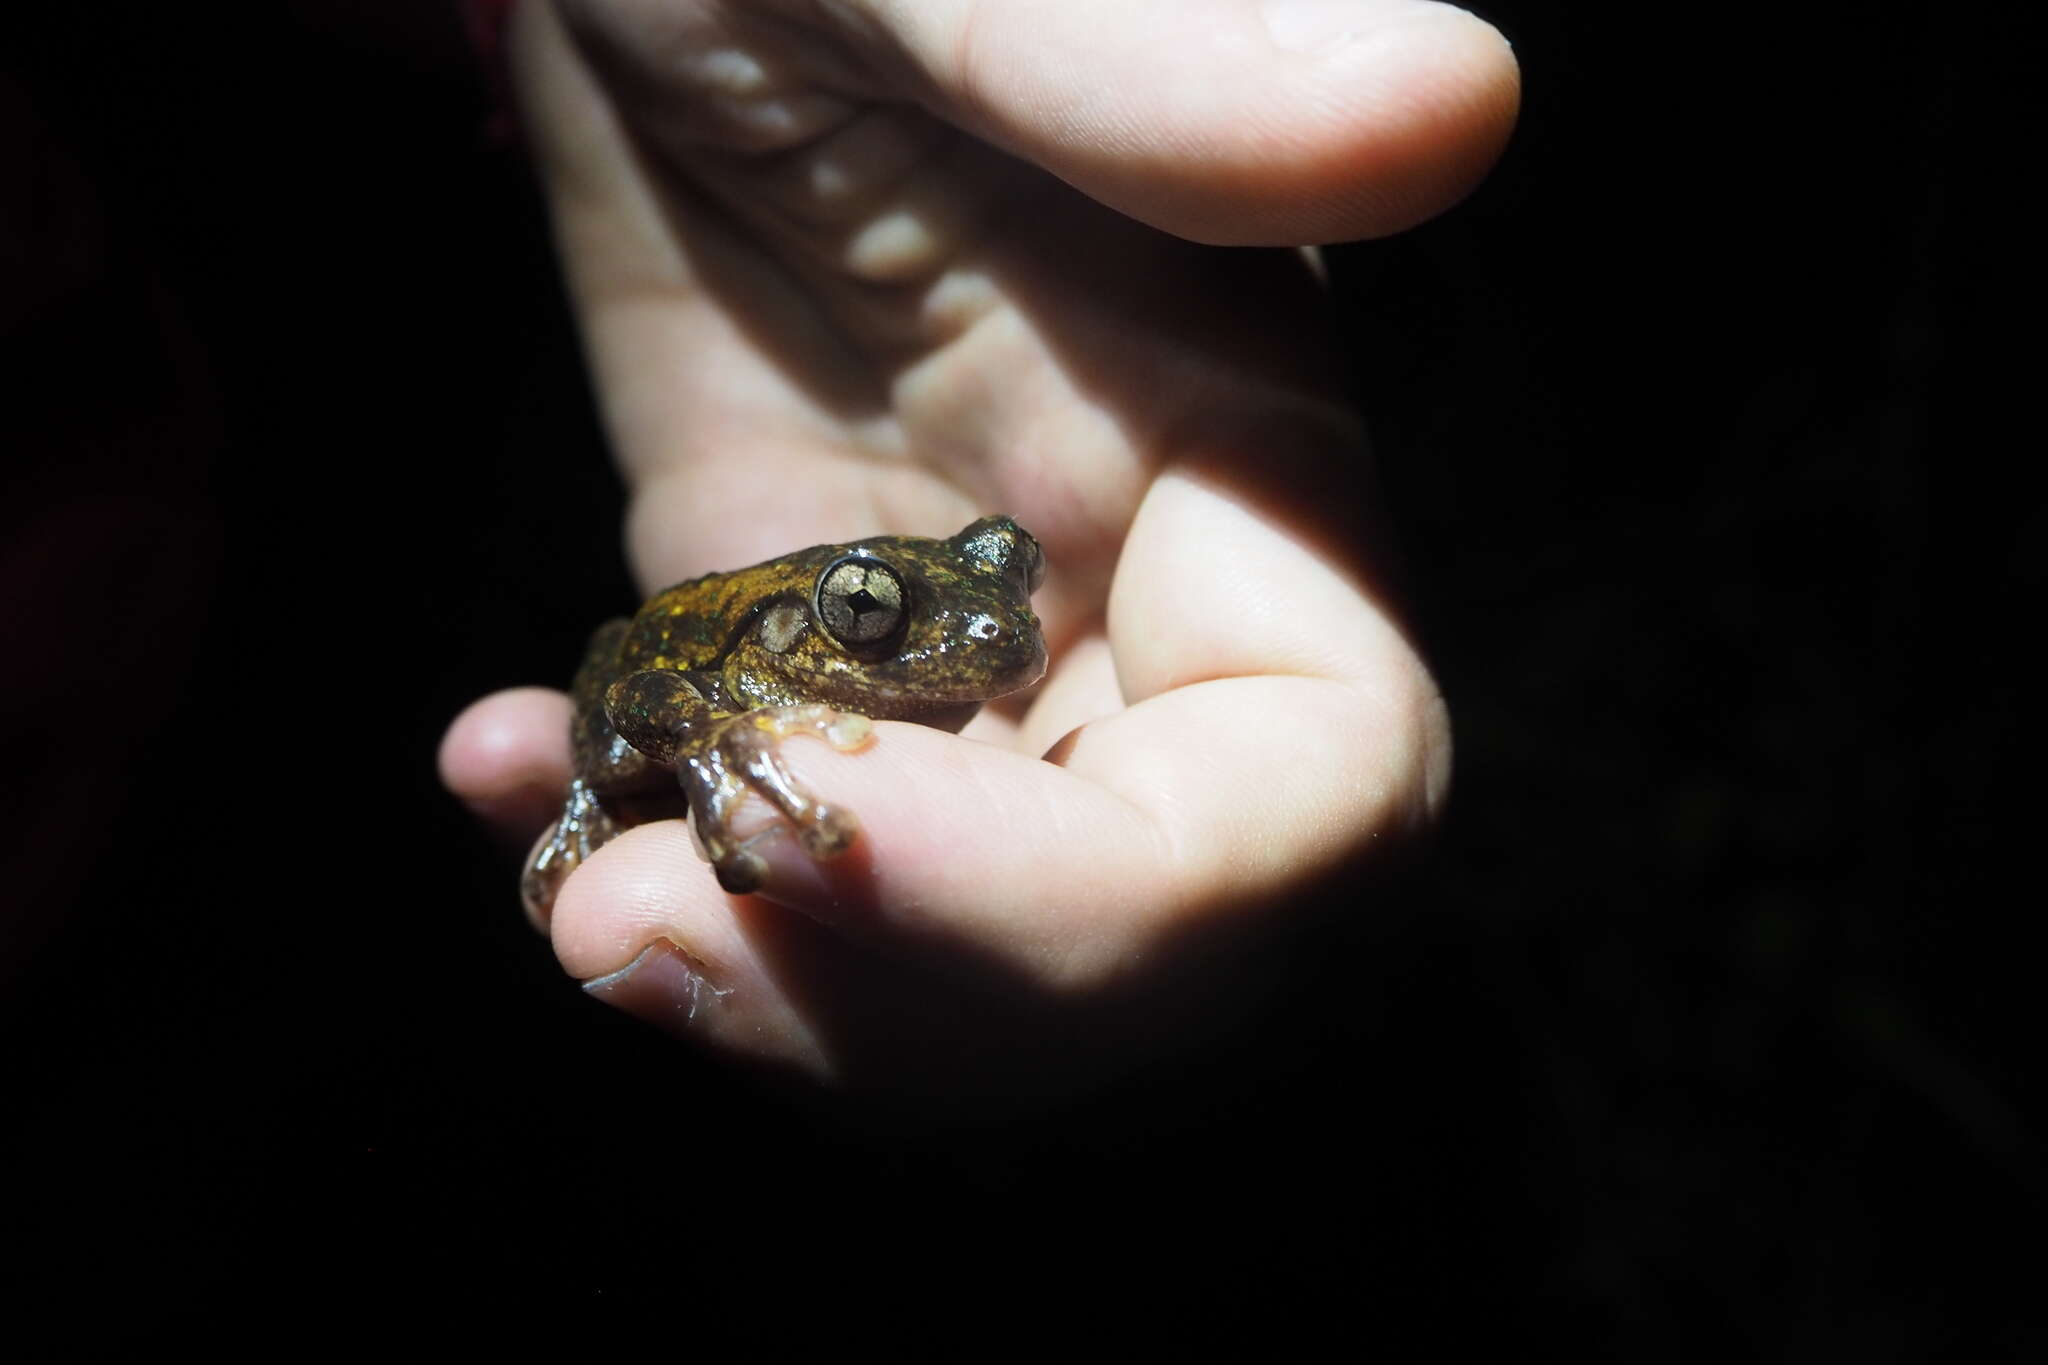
1014 649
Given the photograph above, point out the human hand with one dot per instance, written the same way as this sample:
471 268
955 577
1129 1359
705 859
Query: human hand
879 267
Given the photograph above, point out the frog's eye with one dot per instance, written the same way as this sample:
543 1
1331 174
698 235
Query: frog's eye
861 600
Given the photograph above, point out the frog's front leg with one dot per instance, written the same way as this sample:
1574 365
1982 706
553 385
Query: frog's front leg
720 756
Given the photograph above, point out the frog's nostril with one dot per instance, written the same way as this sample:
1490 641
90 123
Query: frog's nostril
985 629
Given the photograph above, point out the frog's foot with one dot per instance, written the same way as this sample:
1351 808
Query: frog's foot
584 827
742 758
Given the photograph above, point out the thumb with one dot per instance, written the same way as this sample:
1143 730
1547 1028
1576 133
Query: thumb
1268 122
1276 122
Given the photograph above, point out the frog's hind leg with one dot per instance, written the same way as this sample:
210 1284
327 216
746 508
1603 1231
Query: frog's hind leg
583 827
608 772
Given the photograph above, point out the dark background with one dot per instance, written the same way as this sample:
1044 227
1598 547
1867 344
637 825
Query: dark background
1702 1029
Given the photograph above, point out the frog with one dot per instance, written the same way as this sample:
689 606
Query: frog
679 710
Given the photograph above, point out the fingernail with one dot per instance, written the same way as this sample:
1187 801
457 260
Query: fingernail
1313 25
664 985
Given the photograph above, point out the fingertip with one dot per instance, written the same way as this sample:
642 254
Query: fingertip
1287 123
1367 128
507 756
645 928
1449 91
645 884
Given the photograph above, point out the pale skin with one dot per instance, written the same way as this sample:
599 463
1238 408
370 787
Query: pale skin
851 267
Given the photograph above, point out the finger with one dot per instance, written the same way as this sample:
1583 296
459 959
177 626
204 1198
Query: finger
712 367
1278 722
979 868
1224 578
763 984
645 927
1227 121
694 390
507 758
1082 688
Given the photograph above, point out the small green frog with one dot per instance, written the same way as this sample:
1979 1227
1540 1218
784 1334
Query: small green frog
697 690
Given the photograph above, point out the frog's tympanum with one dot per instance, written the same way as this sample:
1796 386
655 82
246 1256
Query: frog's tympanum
683 705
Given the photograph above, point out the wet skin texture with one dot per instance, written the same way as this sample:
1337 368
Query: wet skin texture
687 701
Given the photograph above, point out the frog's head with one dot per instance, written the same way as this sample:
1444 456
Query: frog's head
906 628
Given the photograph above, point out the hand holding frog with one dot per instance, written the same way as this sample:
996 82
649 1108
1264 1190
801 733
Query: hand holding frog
822 304
685 705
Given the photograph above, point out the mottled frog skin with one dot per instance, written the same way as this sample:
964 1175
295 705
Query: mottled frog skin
682 707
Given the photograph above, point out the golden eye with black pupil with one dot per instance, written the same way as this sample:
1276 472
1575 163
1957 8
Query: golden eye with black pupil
860 600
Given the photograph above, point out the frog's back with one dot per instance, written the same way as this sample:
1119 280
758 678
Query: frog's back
695 624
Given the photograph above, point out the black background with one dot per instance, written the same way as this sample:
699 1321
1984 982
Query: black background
1705 1027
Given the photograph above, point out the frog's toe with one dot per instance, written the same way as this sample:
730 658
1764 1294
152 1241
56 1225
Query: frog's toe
828 832
821 831
547 866
740 871
847 730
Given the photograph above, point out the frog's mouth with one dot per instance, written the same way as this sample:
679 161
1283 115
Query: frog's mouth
932 686
926 703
